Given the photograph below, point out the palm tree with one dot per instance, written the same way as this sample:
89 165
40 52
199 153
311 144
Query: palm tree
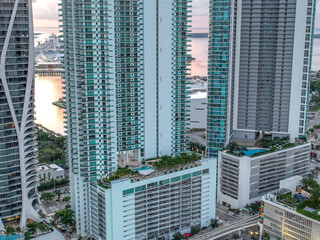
9 231
53 223
234 147
18 230
58 193
42 227
265 236
57 214
67 217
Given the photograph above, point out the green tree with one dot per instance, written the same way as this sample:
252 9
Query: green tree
67 217
234 147
58 193
253 237
32 226
195 230
27 235
46 196
18 231
177 236
214 223
9 231
42 227
53 223
265 236
235 236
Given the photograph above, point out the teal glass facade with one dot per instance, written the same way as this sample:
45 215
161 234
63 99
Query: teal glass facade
218 71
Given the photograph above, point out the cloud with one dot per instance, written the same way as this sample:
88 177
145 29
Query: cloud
45 13
200 7
317 22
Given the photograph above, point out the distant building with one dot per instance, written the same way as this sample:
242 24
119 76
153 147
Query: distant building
155 207
46 172
198 110
281 220
245 179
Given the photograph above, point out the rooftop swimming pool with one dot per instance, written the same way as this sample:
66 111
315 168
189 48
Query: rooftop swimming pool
142 168
250 152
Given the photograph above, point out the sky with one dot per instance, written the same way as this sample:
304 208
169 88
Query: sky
46 15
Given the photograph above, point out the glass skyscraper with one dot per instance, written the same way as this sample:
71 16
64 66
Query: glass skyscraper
125 87
18 159
260 56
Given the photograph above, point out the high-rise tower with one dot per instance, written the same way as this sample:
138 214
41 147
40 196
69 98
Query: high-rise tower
125 80
18 180
259 69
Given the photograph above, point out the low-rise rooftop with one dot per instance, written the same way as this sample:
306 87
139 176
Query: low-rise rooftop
264 146
304 200
154 168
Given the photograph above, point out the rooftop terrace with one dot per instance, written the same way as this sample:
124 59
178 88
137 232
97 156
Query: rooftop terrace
154 168
266 145
305 200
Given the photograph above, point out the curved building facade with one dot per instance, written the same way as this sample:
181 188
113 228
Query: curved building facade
18 159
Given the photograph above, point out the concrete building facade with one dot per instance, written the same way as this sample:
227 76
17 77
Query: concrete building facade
260 55
244 179
18 158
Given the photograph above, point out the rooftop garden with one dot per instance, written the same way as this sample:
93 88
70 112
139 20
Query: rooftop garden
287 199
124 172
164 163
235 149
273 144
310 185
169 162
197 147
309 207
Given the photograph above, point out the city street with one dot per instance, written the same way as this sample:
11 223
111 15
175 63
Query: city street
228 229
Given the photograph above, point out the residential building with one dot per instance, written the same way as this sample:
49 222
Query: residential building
281 220
154 207
18 180
260 56
245 179
46 172
126 66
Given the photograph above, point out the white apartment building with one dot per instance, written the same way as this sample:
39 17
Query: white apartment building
245 179
154 207
126 65
46 172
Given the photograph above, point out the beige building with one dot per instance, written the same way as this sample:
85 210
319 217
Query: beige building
281 221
